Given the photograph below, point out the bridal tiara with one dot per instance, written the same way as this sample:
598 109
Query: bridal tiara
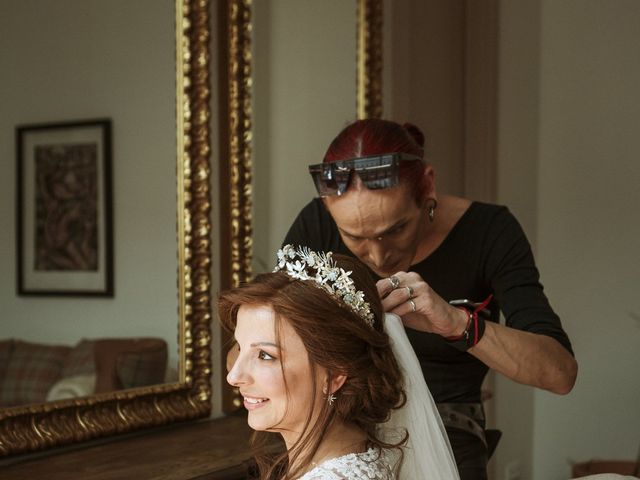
304 264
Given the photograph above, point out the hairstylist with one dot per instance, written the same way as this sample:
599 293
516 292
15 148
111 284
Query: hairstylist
378 202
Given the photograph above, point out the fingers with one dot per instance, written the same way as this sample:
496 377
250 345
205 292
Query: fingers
398 297
413 305
409 290
404 307
397 281
387 285
394 281
407 287
410 297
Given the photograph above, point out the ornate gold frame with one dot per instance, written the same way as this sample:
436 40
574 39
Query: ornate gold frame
35 427
369 59
235 181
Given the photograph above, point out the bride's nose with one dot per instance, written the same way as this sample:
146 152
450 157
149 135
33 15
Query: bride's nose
237 375
232 356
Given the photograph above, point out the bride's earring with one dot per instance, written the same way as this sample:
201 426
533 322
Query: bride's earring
330 397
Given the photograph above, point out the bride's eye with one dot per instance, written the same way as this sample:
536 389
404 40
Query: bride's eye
262 355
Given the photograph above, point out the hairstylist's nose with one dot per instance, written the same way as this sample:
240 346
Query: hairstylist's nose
377 253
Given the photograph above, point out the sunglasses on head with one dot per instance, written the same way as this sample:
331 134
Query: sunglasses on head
376 172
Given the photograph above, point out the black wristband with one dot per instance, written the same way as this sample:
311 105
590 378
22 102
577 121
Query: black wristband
472 334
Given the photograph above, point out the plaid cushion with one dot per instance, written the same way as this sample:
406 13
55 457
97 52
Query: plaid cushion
108 351
6 348
80 360
32 370
138 369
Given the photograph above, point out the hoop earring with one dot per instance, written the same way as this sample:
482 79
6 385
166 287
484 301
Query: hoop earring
432 209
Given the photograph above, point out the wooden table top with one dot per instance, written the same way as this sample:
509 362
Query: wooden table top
210 449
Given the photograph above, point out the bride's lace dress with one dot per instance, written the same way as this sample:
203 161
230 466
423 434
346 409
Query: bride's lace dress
369 465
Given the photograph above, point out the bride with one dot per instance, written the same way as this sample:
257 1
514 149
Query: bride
320 365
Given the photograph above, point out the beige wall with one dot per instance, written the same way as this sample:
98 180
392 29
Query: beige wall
568 167
517 185
588 229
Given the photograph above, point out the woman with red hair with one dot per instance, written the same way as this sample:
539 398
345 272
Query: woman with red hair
319 364
447 265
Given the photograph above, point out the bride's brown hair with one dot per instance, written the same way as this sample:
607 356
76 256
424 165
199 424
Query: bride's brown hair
337 339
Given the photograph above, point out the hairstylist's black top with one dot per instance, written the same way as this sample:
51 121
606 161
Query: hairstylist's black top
485 253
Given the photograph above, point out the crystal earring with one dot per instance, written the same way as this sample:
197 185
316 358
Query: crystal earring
330 396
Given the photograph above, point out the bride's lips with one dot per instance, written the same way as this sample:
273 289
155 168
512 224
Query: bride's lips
253 403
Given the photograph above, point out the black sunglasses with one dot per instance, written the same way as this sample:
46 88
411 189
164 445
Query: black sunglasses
376 172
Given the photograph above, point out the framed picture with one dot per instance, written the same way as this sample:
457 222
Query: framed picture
64 209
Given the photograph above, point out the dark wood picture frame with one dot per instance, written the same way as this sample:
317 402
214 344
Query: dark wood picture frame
64 216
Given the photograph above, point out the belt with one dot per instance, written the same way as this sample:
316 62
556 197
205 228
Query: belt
468 417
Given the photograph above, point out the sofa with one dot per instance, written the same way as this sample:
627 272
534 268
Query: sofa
38 372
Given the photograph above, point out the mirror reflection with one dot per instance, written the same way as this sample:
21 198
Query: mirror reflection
75 67
304 84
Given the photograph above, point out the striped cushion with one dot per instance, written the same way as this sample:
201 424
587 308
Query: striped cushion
32 369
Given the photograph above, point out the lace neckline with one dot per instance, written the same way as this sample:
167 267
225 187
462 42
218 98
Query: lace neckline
345 456
372 464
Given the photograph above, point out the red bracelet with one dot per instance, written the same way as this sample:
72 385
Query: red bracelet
465 332
469 339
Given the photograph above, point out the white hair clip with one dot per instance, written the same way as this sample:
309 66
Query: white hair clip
305 264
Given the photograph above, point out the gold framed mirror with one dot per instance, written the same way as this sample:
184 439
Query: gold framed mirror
32 427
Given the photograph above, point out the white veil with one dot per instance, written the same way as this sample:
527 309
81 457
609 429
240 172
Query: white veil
428 453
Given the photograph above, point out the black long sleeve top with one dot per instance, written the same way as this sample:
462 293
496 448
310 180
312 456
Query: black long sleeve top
485 253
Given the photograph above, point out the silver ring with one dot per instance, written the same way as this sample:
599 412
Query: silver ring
413 305
409 291
395 282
